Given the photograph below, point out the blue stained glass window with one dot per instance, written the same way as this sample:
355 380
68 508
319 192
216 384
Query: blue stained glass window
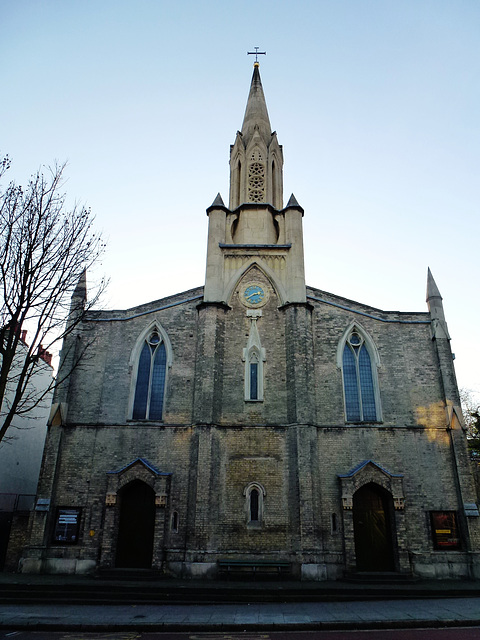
366 385
254 381
150 386
143 378
352 403
358 381
158 383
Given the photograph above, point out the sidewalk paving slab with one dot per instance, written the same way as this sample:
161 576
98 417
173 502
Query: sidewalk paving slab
257 616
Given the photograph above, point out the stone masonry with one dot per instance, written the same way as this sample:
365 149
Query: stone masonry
254 459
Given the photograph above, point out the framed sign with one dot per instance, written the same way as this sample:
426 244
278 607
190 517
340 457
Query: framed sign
445 530
67 525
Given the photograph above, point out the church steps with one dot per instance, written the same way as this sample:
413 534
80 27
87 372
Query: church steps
167 591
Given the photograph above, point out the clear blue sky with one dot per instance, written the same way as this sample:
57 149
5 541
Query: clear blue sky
376 103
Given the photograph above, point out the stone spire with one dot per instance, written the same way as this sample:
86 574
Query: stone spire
81 288
255 230
292 202
69 354
256 158
434 299
79 297
218 202
441 338
435 306
256 114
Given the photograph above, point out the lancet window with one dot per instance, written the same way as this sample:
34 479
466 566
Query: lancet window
254 495
150 384
254 500
254 356
253 371
359 380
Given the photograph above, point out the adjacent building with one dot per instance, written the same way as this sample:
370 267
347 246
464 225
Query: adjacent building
20 460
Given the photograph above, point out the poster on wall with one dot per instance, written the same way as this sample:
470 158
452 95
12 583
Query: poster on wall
67 525
444 530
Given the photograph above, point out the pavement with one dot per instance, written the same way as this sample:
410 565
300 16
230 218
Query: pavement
295 605
258 616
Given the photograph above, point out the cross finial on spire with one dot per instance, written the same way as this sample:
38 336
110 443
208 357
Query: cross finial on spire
256 53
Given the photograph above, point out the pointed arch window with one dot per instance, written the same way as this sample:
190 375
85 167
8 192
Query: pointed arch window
359 380
253 366
254 500
254 356
274 184
238 183
150 384
254 496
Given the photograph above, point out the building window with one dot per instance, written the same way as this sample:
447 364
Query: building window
254 495
254 377
237 184
254 356
359 380
174 526
333 523
254 373
150 385
254 500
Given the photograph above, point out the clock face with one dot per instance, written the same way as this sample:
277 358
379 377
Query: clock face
254 294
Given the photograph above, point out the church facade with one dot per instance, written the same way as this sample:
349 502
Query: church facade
256 423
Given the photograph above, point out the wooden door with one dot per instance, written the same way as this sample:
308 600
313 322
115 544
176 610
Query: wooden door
136 526
372 513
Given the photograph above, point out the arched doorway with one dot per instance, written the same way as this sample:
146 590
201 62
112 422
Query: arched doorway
372 522
136 526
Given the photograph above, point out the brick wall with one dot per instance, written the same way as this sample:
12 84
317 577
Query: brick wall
294 444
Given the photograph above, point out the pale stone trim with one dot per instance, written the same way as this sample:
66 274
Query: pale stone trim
159 482
254 350
366 473
261 494
267 272
371 346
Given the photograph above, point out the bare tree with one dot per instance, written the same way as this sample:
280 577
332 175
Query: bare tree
45 250
471 413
